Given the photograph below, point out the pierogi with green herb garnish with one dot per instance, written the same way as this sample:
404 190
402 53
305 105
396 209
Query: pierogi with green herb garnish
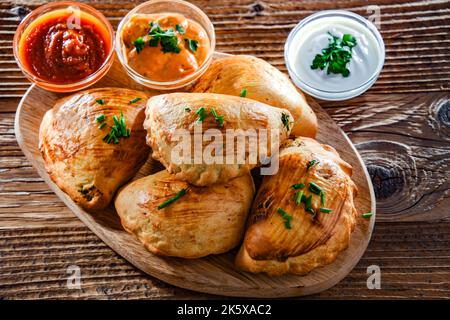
253 78
93 141
172 218
204 138
303 216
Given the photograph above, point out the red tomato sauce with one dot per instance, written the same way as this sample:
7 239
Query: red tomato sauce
58 52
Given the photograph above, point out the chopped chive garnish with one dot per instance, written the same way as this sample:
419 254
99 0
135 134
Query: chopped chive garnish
308 202
118 130
187 109
100 101
312 211
314 188
116 121
367 215
122 126
322 198
286 216
179 194
218 118
100 118
311 163
134 100
298 185
298 197
325 210
202 113
102 125
285 120
243 93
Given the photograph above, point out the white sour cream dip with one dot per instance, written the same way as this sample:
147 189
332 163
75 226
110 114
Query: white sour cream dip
310 37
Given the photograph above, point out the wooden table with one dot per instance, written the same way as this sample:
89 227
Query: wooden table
401 127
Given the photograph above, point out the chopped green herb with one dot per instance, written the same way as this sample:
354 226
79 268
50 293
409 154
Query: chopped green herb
87 193
311 211
218 118
179 194
192 44
167 38
170 43
139 44
243 93
336 56
322 198
314 188
180 29
325 210
100 118
100 101
285 120
153 42
118 130
287 218
298 197
187 109
308 205
367 215
134 100
102 125
202 114
298 185
311 164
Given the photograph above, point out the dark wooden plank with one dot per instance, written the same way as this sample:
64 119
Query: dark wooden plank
413 258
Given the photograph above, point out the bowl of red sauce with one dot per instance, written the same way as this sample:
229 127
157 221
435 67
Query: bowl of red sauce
64 46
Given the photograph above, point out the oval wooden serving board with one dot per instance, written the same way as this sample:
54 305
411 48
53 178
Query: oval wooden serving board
213 274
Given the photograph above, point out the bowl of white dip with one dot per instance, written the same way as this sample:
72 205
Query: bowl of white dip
326 34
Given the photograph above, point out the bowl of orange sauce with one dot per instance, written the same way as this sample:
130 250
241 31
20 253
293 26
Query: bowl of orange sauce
165 44
64 46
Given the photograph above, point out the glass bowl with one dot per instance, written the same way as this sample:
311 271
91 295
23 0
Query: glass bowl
167 6
71 7
290 56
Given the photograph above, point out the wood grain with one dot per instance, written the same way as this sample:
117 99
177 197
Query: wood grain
411 239
212 274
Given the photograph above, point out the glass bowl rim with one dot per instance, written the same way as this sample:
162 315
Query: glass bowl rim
30 17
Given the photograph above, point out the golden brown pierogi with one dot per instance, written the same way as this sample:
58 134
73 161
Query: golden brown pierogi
170 114
76 154
262 82
205 220
284 236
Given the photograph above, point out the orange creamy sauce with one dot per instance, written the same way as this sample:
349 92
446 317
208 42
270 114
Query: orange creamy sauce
152 62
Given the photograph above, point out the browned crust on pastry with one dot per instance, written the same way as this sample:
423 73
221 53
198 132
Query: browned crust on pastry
166 114
75 155
313 241
264 83
206 220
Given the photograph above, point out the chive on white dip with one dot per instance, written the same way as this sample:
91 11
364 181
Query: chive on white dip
314 34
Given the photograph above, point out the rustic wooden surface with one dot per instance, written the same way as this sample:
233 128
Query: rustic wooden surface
401 127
